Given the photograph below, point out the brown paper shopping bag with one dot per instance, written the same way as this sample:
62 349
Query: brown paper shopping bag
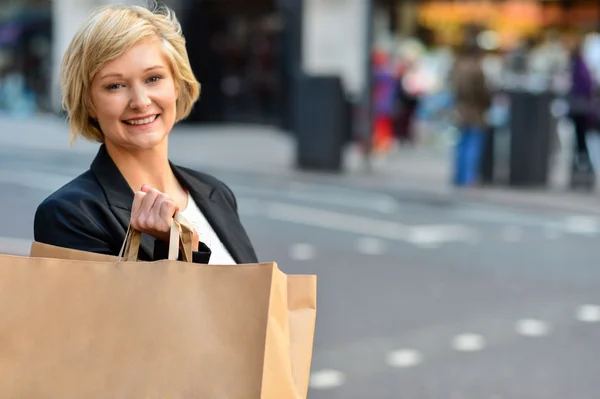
101 328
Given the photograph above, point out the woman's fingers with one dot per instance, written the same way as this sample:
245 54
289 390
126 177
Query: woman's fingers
149 200
166 208
136 207
145 216
152 212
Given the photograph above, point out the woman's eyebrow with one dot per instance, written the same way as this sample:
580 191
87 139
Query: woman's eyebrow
116 74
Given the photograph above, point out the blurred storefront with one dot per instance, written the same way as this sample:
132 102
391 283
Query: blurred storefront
245 52
25 50
510 20
533 32
236 53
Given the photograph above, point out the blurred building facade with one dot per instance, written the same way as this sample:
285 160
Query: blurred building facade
236 52
25 49
246 52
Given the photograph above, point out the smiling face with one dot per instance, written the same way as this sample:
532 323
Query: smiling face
134 98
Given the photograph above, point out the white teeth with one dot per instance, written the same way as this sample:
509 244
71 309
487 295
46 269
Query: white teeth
141 121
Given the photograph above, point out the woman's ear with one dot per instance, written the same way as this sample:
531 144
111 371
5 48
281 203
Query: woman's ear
94 122
90 109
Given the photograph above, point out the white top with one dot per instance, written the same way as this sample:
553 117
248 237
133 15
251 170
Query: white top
219 254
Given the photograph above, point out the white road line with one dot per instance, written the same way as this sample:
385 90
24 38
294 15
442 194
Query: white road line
418 235
583 225
15 246
404 358
376 203
432 236
302 251
589 314
532 328
319 188
370 246
468 343
495 216
327 379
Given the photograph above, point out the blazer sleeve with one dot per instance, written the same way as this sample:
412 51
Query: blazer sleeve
61 223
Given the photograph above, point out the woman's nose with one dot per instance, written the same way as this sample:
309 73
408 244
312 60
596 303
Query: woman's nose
139 99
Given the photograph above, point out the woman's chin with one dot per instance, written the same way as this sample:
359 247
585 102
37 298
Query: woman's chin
144 142
149 143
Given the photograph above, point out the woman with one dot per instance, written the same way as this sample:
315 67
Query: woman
126 80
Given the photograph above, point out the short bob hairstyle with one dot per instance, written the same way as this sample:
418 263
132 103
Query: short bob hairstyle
107 33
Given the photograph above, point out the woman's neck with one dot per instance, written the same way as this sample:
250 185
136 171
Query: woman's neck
150 167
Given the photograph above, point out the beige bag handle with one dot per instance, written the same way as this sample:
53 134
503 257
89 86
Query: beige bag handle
181 237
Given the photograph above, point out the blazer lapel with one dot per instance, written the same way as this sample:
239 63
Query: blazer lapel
221 218
119 196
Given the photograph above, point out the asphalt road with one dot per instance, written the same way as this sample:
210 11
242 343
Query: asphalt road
417 298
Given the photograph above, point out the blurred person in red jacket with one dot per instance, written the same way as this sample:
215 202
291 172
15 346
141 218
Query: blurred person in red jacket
384 100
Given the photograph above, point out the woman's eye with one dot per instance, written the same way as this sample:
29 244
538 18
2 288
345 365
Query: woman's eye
154 79
114 86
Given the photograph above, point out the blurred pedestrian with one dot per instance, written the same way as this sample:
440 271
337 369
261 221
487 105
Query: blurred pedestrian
407 101
472 99
582 113
126 80
384 100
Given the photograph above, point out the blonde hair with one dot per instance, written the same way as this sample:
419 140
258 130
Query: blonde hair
107 33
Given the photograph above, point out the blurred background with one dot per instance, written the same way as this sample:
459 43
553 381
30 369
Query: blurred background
432 161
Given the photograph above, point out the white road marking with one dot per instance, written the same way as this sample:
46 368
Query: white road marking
418 235
15 246
370 246
503 217
302 251
583 225
468 342
532 328
366 201
384 202
589 314
512 234
327 379
431 236
404 358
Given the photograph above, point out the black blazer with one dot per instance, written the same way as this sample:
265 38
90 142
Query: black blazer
91 213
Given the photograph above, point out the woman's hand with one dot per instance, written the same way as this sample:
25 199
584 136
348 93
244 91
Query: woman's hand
152 213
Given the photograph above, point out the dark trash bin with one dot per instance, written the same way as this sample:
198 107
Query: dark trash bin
531 127
320 123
